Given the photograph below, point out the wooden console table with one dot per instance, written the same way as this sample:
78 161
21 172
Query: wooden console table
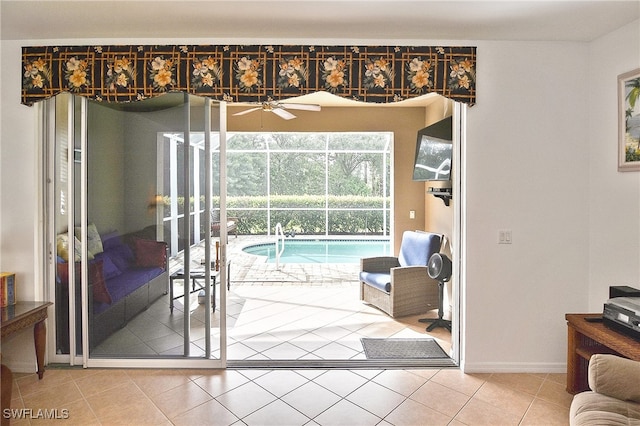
587 338
26 314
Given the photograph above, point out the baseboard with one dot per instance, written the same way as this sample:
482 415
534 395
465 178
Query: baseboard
514 367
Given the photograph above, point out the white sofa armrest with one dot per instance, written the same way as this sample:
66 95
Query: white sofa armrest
614 376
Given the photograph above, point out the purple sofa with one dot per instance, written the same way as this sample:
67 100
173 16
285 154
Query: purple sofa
124 280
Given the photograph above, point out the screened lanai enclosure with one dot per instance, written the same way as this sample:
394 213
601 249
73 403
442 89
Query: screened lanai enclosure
311 183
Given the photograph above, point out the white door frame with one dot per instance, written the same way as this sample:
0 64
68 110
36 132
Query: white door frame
47 232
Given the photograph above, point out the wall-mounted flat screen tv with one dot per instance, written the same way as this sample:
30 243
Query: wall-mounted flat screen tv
433 152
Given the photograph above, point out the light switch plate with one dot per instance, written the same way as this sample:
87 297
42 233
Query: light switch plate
504 236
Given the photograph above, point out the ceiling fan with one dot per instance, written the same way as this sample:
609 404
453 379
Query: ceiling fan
280 109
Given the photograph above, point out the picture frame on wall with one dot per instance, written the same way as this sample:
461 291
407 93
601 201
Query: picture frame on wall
629 121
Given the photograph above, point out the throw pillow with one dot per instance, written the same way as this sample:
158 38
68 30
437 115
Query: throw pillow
62 271
109 269
94 243
62 247
150 253
96 279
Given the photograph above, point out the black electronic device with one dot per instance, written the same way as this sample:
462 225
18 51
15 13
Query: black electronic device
434 149
623 291
439 268
623 314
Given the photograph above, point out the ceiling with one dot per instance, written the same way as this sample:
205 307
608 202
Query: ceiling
312 21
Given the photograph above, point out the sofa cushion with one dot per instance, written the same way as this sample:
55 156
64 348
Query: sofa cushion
126 283
591 408
130 280
379 280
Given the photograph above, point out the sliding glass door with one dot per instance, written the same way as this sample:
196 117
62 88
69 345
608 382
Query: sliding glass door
135 271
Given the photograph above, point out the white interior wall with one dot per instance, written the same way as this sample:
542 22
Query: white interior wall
527 169
18 176
530 141
614 197
19 182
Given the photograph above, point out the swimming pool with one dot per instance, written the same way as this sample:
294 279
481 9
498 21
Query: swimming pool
321 250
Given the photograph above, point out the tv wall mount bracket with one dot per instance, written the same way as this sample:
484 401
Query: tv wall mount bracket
443 193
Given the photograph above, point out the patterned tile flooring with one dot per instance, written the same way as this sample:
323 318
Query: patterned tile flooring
288 397
277 315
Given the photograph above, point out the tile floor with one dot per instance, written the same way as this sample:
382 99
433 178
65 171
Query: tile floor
271 322
301 312
323 319
290 397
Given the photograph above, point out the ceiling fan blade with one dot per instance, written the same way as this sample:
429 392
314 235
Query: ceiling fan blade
282 113
247 111
304 107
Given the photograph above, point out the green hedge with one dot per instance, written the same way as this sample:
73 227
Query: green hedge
311 222
254 222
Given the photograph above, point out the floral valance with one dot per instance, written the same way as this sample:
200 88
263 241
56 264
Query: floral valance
249 73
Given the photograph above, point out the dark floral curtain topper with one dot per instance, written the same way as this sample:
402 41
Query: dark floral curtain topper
239 73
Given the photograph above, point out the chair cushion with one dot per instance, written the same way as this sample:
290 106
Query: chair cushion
615 376
379 280
591 408
417 248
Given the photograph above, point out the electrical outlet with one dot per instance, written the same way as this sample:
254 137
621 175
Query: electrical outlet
504 236
412 214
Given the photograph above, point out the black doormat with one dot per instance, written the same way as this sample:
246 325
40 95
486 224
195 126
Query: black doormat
402 348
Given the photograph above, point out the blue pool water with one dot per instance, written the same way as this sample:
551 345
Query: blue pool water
322 251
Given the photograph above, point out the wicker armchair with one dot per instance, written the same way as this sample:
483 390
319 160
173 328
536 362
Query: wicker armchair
400 286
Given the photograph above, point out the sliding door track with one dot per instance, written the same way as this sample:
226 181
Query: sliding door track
343 364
